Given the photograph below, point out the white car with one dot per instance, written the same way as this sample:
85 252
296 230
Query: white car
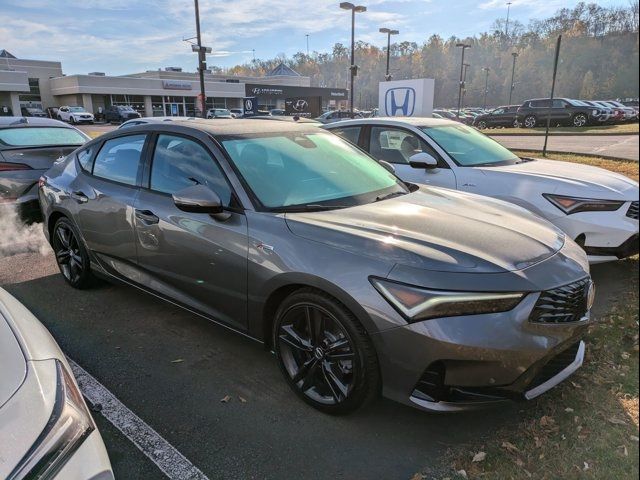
75 115
595 207
46 430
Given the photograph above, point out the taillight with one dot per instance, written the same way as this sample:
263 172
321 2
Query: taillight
8 167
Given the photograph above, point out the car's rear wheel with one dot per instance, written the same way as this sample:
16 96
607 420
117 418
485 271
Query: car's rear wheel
324 353
482 125
71 255
530 121
580 120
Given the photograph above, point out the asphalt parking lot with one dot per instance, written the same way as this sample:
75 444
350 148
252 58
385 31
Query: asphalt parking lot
172 368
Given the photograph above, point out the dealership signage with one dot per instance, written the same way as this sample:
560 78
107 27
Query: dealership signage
176 85
250 105
303 106
406 98
285 91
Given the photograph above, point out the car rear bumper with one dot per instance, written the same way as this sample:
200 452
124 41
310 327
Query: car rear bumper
19 190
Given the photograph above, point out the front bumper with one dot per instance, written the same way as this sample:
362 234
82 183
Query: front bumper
605 236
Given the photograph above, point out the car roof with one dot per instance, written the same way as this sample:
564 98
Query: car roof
224 127
31 122
399 121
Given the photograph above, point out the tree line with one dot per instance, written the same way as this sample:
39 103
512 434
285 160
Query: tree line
598 60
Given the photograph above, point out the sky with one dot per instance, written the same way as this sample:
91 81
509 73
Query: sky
128 36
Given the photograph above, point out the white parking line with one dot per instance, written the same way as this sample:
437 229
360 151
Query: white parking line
172 463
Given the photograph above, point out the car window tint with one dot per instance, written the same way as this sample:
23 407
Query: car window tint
498 111
558 104
348 133
179 163
84 158
119 159
395 145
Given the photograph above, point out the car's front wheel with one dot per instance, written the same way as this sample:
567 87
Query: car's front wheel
482 125
530 121
580 120
71 255
324 353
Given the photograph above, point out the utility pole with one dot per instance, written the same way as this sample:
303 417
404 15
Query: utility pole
463 46
389 32
513 72
353 69
202 62
486 86
506 27
553 88
307 35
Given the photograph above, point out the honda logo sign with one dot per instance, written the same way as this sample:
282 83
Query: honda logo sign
406 98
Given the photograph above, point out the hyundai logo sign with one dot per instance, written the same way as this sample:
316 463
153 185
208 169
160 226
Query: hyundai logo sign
400 101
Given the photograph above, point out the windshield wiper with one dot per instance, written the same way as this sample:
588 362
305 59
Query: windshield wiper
379 198
311 207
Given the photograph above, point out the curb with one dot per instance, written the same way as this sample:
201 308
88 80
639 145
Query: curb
591 155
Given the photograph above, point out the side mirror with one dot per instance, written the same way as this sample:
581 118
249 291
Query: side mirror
198 199
422 160
390 168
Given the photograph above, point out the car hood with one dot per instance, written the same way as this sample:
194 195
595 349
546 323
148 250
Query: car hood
574 179
436 229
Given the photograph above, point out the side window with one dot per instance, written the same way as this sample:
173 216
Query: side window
397 146
84 158
179 163
348 133
558 103
119 159
498 111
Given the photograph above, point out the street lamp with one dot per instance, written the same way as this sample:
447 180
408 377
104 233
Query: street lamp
506 27
464 82
486 85
389 32
202 61
463 46
353 68
513 72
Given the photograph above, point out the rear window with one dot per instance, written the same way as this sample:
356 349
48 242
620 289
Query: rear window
40 136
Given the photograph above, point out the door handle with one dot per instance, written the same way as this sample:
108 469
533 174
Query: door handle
147 217
79 197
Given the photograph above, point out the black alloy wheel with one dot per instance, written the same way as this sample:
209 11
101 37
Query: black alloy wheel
324 353
516 123
482 125
71 256
580 120
530 121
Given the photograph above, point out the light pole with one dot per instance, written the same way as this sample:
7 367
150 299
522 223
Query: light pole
389 32
463 46
464 82
486 85
202 61
307 35
513 72
353 68
506 27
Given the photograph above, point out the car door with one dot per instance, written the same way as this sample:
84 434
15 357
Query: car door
193 258
105 190
396 145
561 111
496 118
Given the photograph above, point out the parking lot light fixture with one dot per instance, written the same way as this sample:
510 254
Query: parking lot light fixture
389 32
353 69
486 86
513 72
463 46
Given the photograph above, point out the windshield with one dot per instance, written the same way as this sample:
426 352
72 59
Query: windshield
577 103
468 147
38 136
312 170
76 109
222 111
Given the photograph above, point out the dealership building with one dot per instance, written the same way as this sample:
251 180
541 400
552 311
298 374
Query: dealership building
168 91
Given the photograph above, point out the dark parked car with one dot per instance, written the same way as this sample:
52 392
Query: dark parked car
119 114
33 112
360 283
560 111
28 148
506 116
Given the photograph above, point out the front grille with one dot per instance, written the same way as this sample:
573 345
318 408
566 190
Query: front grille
563 304
633 211
554 366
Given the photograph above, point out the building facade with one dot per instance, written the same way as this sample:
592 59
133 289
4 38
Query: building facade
165 92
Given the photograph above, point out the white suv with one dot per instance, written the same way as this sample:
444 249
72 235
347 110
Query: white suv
75 115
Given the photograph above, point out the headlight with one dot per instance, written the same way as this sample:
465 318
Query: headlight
595 112
416 304
70 423
571 205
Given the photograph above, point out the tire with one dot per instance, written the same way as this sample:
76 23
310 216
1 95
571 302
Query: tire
580 120
335 362
516 124
72 120
482 125
71 255
60 118
530 121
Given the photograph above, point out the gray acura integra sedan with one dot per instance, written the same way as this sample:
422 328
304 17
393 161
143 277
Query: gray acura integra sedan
358 282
